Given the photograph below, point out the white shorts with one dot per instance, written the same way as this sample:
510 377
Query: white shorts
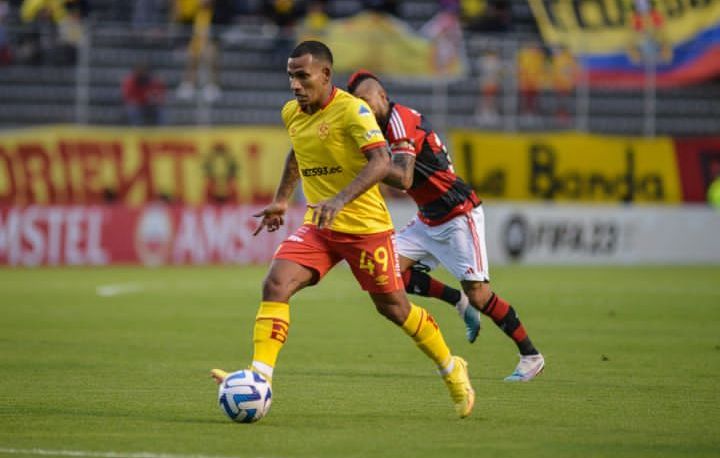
459 245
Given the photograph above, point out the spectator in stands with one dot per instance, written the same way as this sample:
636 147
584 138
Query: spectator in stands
471 11
285 15
531 75
445 32
182 16
183 11
496 15
203 52
38 42
57 30
490 74
71 29
144 97
316 20
564 72
198 14
40 9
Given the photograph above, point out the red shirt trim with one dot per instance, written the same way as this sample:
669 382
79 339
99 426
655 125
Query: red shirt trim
327 102
371 146
403 151
330 99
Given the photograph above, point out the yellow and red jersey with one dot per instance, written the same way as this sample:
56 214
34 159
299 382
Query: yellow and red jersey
329 147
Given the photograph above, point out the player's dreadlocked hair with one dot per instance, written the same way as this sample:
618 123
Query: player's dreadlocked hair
358 77
315 48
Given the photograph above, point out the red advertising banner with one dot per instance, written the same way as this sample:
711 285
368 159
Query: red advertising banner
698 162
154 234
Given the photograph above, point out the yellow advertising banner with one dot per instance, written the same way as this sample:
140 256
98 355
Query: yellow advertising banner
81 165
606 26
567 167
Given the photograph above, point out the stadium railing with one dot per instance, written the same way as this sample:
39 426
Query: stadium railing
254 88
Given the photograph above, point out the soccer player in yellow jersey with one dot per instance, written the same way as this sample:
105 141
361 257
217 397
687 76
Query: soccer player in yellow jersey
340 154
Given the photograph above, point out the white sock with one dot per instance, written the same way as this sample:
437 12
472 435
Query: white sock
263 368
462 304
448 367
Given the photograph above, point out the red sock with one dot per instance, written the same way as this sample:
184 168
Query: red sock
436 289
505 317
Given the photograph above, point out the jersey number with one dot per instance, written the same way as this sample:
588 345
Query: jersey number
380 256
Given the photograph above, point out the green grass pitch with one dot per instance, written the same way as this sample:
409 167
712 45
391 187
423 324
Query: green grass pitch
633 363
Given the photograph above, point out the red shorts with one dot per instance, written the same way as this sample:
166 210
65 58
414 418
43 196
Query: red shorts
372 258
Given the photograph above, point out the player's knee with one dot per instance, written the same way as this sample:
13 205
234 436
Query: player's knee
276 289
478 293
393 312
394 305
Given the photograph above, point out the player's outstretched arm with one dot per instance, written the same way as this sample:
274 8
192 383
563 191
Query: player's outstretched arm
374 171
401 171
272 215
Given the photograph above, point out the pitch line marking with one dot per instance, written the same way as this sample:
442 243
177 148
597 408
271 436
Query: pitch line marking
90 454
118 288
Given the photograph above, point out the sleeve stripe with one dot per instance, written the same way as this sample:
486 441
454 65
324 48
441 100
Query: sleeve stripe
397 124
372 145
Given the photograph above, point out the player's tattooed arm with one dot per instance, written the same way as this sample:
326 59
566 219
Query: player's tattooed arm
373 172
272 215
289 179
401 171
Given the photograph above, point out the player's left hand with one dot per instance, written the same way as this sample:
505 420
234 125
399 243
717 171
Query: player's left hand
324 212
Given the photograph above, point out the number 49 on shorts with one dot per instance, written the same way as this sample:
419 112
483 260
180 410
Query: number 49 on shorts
379 256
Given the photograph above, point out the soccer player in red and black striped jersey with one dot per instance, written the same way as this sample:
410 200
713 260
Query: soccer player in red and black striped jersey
449 227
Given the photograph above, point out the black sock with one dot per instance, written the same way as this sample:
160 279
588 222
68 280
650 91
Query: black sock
422 284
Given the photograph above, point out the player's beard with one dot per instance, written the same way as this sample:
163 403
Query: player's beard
302 100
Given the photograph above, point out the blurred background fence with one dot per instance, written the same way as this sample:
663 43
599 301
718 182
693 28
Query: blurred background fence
510 81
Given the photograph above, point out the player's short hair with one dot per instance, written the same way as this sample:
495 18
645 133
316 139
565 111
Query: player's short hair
358 77
315 48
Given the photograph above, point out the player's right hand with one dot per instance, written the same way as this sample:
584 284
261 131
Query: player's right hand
324 212
272 217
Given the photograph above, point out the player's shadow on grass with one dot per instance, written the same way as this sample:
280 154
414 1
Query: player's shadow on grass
476 375
354 374
155 417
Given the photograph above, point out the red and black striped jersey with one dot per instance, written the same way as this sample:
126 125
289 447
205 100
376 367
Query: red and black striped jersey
439 193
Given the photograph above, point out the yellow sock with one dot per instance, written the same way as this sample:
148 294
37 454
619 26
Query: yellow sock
423 329
271 330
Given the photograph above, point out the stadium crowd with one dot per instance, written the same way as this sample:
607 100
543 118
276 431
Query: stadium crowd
49 31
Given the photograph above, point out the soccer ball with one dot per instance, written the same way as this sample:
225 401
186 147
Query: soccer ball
245 396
